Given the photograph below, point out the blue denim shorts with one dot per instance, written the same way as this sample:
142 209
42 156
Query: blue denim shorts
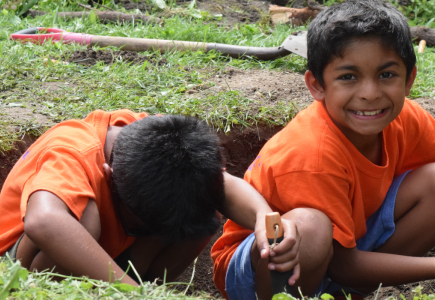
240 282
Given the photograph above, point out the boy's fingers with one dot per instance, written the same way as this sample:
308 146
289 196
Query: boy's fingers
286 245
262 244
284 267
291 235
290 243
286 257
261 238
296 273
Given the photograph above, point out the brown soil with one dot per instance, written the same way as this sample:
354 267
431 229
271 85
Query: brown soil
263 86
232 11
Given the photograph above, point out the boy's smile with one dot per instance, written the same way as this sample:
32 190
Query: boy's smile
364 90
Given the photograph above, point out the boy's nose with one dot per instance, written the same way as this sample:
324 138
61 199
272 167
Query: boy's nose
369 90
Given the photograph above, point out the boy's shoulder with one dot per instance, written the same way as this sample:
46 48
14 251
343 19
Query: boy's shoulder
86 134
71 134
308 142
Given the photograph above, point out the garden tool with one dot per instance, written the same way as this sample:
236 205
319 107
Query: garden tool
275 234
295 43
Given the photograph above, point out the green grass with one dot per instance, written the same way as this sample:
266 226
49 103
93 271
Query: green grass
148 87
18 283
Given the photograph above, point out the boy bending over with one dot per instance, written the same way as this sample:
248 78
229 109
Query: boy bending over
354 171
90 195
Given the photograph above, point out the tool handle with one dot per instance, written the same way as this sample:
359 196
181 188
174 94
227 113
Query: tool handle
421 46
139 44
279 280
272 220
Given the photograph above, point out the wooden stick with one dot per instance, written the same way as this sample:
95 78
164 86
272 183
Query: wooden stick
421 46
424 33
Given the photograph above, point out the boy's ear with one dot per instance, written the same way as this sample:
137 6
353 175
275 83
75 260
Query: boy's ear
314 86
410 81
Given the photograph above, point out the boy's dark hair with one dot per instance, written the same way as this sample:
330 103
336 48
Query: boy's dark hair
168 170
336 27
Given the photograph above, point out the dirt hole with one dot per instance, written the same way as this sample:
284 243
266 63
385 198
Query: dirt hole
239 147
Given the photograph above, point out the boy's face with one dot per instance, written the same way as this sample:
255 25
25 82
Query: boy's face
364 90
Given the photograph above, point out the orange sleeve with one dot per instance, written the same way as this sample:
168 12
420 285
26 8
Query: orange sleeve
223 251
324 192
60 171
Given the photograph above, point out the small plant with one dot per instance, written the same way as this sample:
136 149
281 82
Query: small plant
420 13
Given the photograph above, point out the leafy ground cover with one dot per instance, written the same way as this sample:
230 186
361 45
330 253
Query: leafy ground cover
41 85
18 283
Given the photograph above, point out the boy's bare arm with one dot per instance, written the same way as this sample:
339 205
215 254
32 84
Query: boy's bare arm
52 228
243 205
247 207
362 270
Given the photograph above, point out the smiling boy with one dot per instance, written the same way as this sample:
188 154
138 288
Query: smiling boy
360 158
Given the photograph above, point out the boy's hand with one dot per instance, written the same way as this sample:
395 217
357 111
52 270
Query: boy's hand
285 256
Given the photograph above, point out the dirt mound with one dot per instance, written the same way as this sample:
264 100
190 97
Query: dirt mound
90 57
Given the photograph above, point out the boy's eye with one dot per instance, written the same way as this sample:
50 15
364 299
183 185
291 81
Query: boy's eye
347 77
387 75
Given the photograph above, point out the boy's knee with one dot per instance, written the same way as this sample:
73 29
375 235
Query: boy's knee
313 222
315 229
427 176
420 182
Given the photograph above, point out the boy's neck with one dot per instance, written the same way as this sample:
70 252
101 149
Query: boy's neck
371 148
112 133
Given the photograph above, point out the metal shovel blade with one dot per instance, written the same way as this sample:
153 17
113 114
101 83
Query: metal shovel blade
296 43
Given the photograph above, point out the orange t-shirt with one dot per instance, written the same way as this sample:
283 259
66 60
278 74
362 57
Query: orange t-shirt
310 163
67 161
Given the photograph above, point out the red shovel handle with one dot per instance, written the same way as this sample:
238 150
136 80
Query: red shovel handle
53 34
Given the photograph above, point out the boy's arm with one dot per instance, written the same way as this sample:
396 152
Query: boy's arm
52 228
245 206
353 268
